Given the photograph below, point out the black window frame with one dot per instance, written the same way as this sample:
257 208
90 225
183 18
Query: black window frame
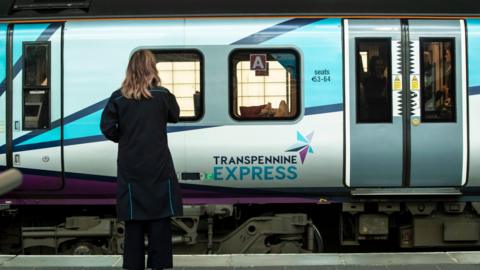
454 78
202 80
389 77
46 88
231 73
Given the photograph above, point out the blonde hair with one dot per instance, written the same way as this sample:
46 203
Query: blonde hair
141 75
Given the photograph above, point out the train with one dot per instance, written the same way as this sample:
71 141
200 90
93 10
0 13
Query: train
305 127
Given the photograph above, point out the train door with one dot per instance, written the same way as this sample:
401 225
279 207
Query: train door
35 97
3 86
405 103
438 121
374 123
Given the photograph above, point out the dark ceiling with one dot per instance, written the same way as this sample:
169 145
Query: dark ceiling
62 9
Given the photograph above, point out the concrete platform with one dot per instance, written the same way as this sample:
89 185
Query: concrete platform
370 261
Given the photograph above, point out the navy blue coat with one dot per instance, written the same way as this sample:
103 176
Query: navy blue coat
148 187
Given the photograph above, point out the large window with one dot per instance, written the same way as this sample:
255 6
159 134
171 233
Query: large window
36 85
181 73
373 89
438 80
264 84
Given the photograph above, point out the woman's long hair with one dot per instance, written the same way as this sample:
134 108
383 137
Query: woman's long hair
141 75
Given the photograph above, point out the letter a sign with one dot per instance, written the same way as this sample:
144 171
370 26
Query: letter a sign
258 62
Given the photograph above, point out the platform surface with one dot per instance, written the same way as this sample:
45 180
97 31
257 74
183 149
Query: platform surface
364 261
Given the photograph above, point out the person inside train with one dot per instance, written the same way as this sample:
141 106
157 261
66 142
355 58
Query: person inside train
44 80
375 90
444 92
268 111
447 75
282 110
428 93
148 193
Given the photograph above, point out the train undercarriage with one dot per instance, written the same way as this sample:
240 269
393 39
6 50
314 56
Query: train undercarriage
227 229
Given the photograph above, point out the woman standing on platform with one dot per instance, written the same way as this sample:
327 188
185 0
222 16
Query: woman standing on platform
148 192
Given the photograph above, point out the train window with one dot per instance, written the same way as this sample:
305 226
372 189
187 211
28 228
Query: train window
264 84
36 85
36 65
373 89
437 80
181 73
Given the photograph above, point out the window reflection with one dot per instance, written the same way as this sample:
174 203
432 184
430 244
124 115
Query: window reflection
36 65
438 84
269 94
36 85
373 81
180 73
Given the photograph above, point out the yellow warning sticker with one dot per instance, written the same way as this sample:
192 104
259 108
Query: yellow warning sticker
397 82
414 83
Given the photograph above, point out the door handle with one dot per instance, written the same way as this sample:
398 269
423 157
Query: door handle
191 176
17 125
16 159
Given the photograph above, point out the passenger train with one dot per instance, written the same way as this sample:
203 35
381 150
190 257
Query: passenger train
304 125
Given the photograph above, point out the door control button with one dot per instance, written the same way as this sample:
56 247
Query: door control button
416 122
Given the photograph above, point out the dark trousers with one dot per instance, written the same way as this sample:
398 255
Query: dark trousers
159 244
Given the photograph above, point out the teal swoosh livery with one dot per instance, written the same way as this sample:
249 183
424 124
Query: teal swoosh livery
322 38
473 27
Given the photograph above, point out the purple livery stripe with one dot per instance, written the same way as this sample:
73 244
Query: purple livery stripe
90 192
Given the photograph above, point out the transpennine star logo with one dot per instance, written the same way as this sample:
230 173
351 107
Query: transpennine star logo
302 146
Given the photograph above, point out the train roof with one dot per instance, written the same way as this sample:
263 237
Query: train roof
67 9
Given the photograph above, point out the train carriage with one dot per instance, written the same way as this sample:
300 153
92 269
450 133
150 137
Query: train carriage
293 116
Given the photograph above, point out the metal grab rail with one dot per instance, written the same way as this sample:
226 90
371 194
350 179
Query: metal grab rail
10 180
